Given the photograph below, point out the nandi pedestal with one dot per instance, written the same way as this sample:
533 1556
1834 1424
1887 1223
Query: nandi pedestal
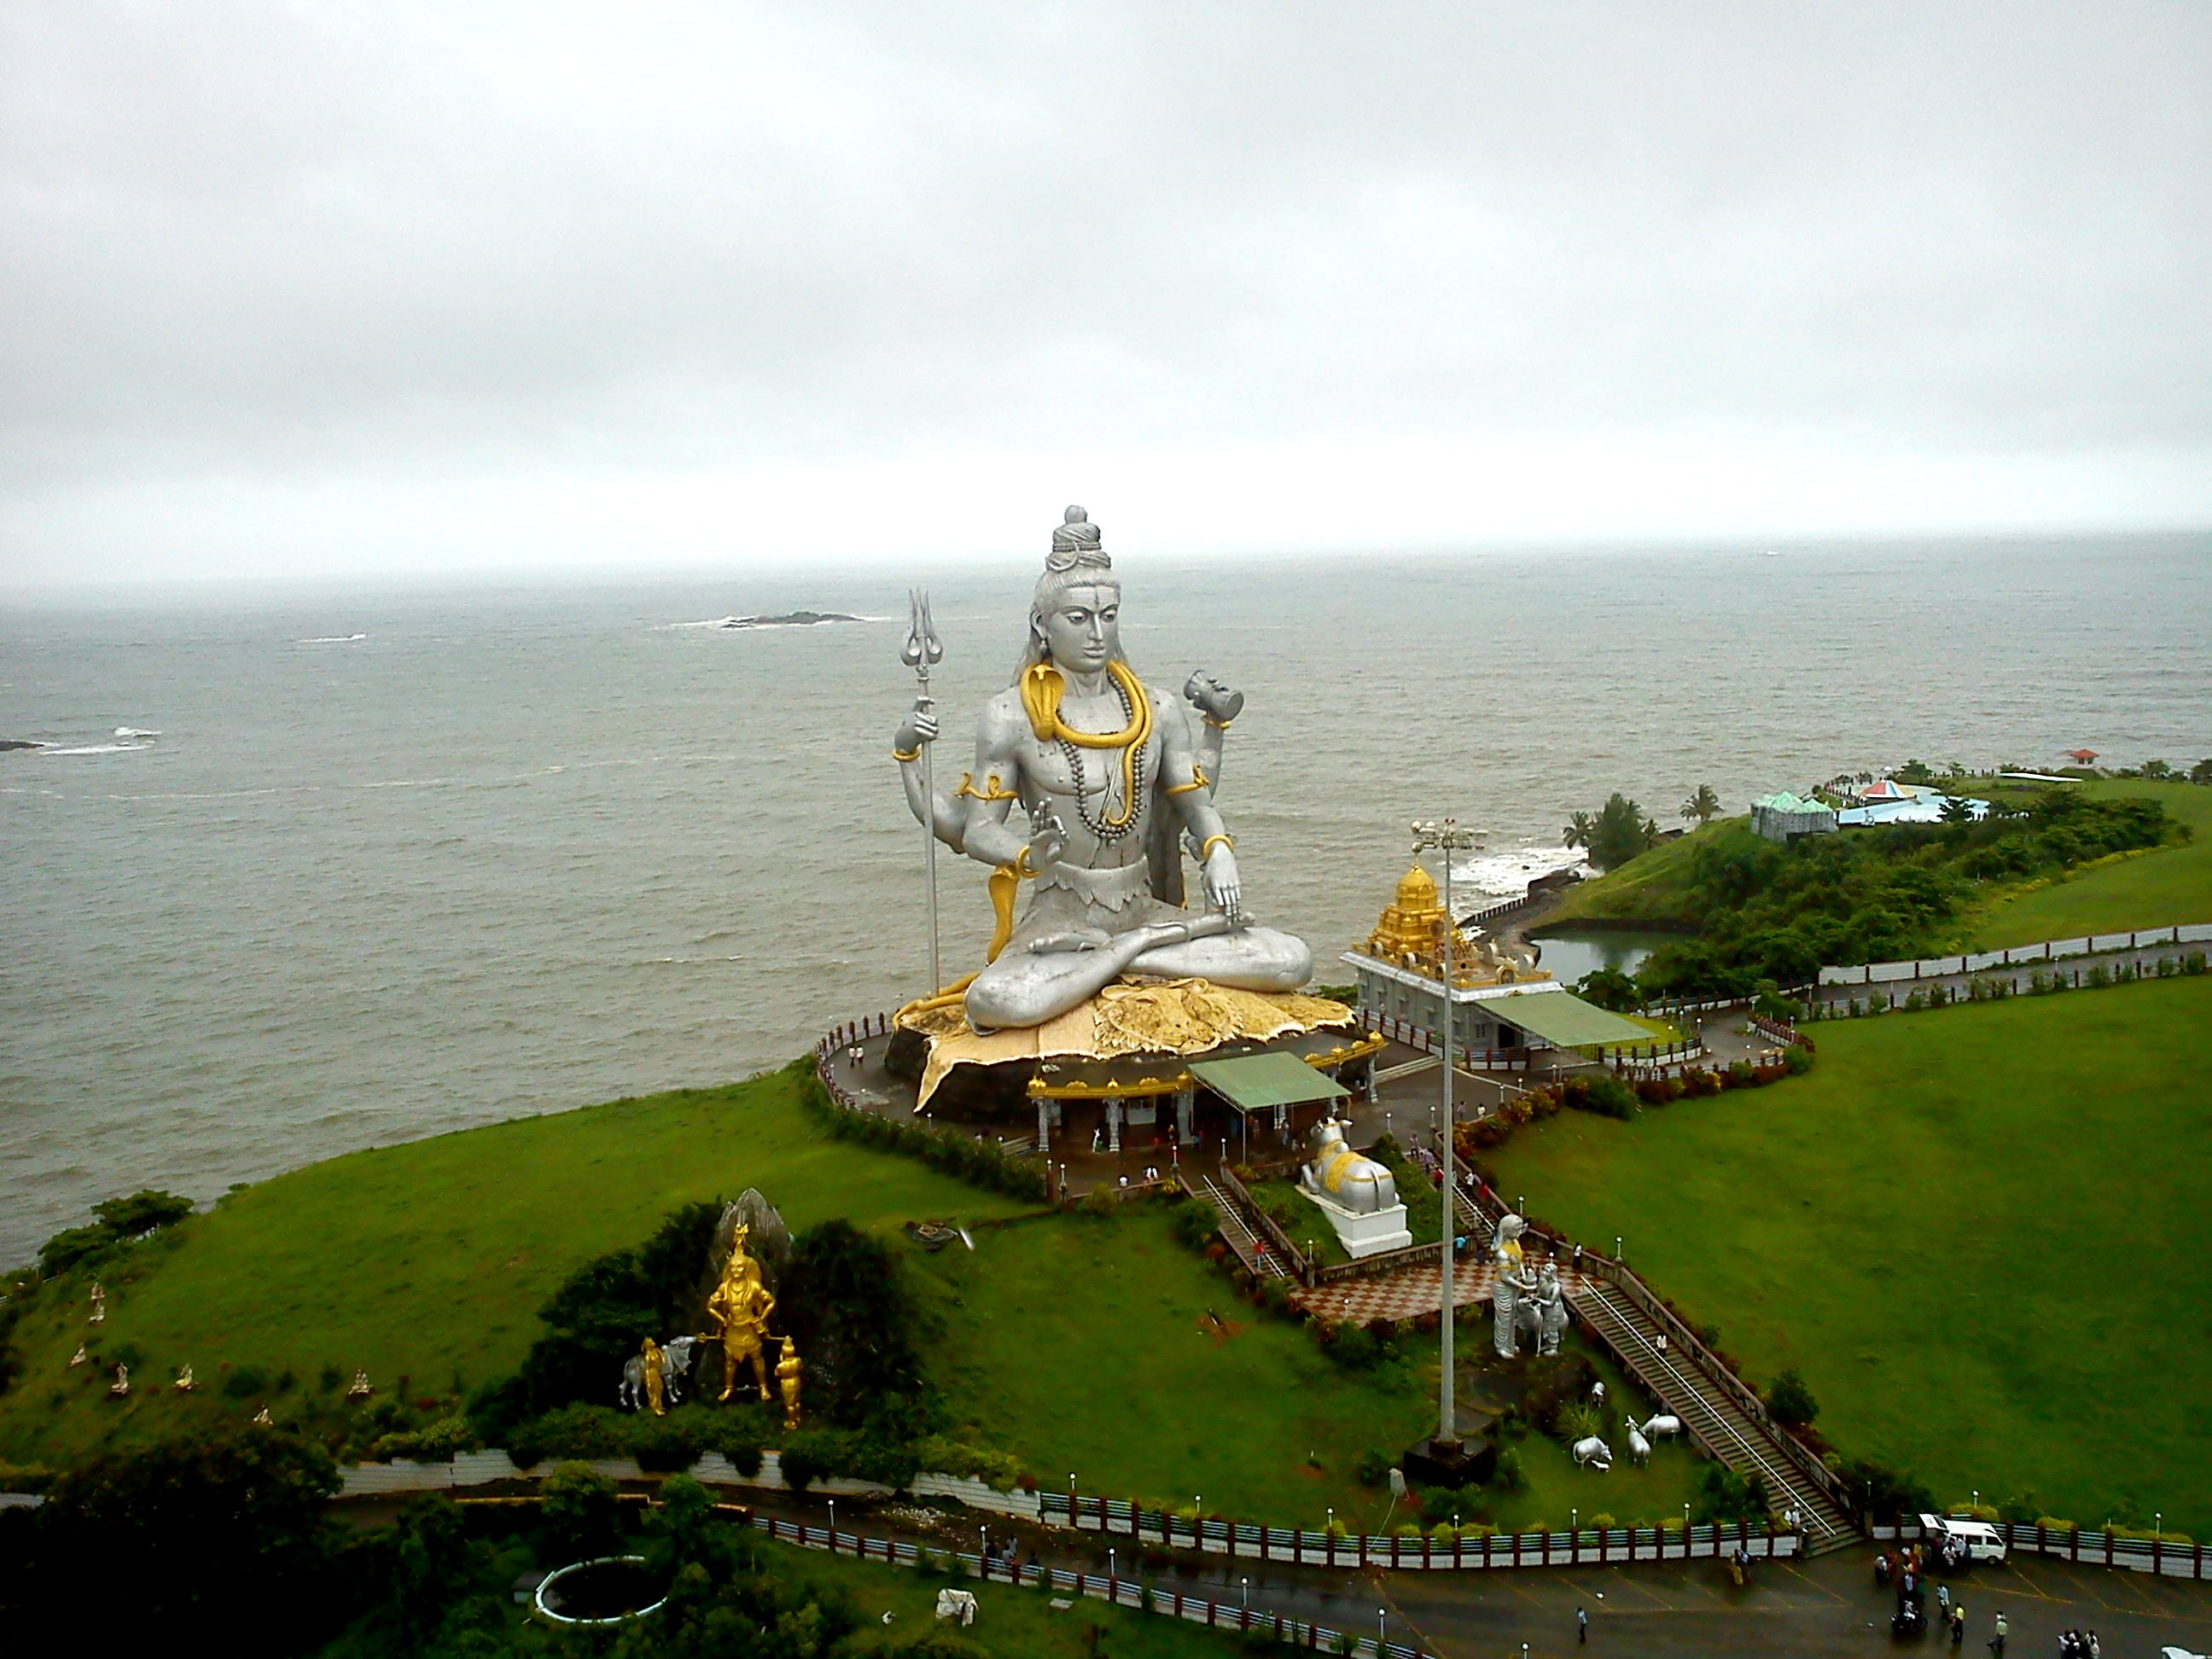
1358 1195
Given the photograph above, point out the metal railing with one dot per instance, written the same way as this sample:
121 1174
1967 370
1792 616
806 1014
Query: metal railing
1465 1551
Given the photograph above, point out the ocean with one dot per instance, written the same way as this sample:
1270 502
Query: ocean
398 862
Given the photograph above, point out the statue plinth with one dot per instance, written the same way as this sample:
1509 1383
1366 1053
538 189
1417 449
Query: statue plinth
1462 1462
1362 1236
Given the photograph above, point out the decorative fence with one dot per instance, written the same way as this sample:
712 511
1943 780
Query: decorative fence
2171 1558
1421 1038
843 1037
1115 1590
1591 1546
1879 973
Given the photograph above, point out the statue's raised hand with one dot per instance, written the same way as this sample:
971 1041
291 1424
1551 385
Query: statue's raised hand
1048 837
919 727
1225 891
1217 702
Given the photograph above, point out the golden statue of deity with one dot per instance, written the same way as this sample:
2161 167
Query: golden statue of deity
656 1377
739 1309
786 1378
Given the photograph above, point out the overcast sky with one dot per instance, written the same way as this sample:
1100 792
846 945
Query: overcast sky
326 288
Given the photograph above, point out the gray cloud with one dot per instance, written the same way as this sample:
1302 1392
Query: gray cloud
418 267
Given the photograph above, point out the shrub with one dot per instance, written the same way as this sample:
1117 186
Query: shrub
572 1432
1372 1469
436 1443
1608 1096
1508 1474
1740 1075
1195 1222
245 1382
1885 1491
1790 1402
664 1445
1796 1060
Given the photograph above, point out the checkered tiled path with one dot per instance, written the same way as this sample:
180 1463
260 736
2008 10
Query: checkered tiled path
1407 1293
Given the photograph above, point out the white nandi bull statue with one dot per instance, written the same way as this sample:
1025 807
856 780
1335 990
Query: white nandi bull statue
676 1358
1593 1453
1350 1179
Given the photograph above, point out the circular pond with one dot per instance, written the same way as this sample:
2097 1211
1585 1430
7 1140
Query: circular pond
605 1591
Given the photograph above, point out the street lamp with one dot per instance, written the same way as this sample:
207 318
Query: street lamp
833 1526
1244 1594
1379 1613
1113 1565
1446 837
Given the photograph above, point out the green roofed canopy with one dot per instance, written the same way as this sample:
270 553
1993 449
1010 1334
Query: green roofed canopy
1252 1082
1565 1020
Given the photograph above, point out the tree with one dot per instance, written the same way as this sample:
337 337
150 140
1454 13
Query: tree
1581 827
1956 809
1702 805
1609 987
2202 772
118 1218
2156 768
857 1325
216 1533
1619 833
1915 771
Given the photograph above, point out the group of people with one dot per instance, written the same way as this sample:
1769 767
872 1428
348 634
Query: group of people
1909 1567
2079 1644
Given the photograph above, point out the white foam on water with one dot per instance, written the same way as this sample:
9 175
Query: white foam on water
334 639
91 748
135 732
1507 874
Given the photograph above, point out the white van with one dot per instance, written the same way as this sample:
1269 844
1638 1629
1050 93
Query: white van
1983 1541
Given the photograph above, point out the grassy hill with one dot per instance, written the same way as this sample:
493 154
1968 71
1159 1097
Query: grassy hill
1652 887
429 1260
2155 889
1982 1233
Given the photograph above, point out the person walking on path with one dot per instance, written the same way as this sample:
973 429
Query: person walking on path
1997 1641
1943 1600
1958 1623
1581 1627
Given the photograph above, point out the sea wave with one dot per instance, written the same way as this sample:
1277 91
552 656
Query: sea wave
135 732
334 639
1507 874
90 748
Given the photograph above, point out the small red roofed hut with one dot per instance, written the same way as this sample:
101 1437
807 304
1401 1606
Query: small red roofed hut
2082 756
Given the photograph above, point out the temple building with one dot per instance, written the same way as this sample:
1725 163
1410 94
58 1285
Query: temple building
1502 1001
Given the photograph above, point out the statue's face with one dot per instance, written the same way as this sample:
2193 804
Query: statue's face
1082 630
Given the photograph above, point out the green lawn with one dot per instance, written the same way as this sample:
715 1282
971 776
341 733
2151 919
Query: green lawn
2153 889
1083 1344
1982 1233
430 1260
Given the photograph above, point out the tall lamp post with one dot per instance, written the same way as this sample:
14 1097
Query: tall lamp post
1446 837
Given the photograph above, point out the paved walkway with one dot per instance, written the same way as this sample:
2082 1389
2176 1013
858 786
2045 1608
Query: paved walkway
1826 1608
1406 1294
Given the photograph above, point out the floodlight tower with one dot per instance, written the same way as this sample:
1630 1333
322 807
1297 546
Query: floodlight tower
1446 837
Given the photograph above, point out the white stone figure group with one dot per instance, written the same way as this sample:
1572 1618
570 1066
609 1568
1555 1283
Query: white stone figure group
676 1356
1525 1298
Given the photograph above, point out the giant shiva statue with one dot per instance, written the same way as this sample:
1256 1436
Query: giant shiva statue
1099 764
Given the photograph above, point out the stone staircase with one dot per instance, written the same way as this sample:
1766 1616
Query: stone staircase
1258 1260
1712 1403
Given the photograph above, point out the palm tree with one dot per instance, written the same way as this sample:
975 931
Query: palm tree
1702 806
1577 833
1651 827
